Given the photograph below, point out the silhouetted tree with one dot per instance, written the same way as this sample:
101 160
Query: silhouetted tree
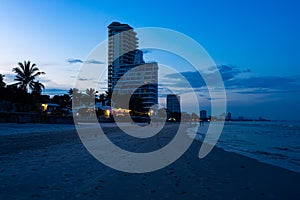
136 105
186 117
75 95
108 95
91 92
62 100
89 97
37 88
195 117
102 99
162 113
2 84
3 91
19 99
26 74
73 91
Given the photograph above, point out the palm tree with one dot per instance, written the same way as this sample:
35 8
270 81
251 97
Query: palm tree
76 96
91 93
26 74
90 96
73 92
37 88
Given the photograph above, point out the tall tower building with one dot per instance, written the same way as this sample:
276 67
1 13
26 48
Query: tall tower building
122 47
125 57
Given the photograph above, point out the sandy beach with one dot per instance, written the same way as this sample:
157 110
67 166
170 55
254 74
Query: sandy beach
53 164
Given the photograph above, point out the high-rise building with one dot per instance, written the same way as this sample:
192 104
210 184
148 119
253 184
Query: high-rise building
125 57
122 46
141 82
173 103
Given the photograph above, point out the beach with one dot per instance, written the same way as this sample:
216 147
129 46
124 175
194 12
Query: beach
52 163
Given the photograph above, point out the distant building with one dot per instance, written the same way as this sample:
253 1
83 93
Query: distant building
173 107
229 117
203 115
173 103
124 56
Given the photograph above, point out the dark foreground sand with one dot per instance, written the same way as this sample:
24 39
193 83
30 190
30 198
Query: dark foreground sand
56 165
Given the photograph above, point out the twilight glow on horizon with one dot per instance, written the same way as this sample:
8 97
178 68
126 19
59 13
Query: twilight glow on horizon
254 44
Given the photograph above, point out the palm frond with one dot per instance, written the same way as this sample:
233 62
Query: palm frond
26 74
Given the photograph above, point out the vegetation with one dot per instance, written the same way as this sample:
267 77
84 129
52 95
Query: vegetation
37 88
64 101
26 96
2 84
16 97
26 73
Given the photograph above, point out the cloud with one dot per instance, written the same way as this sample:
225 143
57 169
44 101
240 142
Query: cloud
277 83
232 80
83 79
9 77
193 78
92 61
76 61
196 80
44 80
228 72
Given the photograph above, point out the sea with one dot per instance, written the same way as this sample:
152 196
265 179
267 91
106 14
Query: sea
273 142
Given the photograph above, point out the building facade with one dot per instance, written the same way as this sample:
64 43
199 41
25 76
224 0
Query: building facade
122 43
124 57
203 115
173 103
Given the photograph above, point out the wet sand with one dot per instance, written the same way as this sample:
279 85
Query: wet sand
55 165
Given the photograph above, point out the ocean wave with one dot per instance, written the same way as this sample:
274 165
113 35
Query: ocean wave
271 154
281 148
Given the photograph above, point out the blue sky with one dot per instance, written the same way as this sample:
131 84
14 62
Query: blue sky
254 43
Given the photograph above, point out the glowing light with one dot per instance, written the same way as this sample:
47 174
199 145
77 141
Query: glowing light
44 106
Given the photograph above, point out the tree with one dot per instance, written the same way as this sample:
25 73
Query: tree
91 92
76 96
26 74
108 95
37 88
62 100
136 105
3 90
90 96
102 99
185 117
73 91
162 113
195 117
2 84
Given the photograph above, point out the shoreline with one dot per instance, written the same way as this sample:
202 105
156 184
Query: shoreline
24 129
57 165
260 141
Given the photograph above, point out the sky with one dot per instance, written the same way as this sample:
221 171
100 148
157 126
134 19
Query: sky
255 44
